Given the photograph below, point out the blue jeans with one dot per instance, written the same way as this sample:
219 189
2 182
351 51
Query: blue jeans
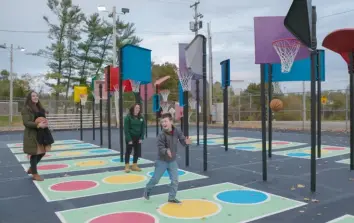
160 168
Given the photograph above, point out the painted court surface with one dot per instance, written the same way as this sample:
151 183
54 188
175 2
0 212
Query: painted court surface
253 147
305 153
344 219
220 141
58 142
67 166
60 147
69 154
225 202
101 183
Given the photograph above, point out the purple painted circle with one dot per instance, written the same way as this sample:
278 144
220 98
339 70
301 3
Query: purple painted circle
135 217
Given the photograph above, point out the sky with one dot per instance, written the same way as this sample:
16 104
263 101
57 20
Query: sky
163 24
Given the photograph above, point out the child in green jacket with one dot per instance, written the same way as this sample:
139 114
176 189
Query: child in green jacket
134 130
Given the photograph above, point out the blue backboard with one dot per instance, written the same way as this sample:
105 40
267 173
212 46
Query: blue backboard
155 103
300 71
136 63
225 73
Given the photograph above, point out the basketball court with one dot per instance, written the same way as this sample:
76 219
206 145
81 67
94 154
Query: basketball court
344 219
226 202
220 141
327 151
60 147
79 164
254 147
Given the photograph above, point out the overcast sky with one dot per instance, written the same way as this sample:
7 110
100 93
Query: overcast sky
165 23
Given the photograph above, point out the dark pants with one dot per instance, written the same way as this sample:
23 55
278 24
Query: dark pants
35 159
136 146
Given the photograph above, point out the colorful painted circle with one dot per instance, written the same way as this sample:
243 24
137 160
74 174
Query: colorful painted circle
245 147
136 217
74 185
242 197
52 166
280 143
299 154
308 151
70 153
98 151
124 179
165 174
91 163
47 155
332 148
117 160
239 138
190 209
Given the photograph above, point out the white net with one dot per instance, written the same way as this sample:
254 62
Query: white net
189 117
97 100
83 99
192 103
165 107
186 80
287 50
164 94
135 85
172 111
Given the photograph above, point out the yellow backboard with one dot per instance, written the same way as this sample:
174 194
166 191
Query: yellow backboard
78 90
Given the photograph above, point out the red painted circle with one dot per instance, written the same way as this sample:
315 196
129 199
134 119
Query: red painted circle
135 217
52 166
334 148
47 155
240 138
280 143
75 185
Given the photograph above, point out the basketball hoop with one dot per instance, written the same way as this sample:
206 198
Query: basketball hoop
164 94
192 103
97 100
186 80
165 106
83 99
287 50
172 111
135 85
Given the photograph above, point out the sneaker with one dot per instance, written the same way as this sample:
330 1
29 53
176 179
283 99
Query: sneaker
147 195
175 201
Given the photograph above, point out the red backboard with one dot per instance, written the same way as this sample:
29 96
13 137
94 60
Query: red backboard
115 80
340 41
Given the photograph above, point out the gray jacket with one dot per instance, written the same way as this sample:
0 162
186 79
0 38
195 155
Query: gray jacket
166 140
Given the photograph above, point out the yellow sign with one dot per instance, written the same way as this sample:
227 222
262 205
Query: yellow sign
324 100
79 90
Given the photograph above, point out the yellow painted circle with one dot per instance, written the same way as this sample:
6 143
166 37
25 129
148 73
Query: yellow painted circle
308 151
59 147
91 163
190 209
73 153
124 179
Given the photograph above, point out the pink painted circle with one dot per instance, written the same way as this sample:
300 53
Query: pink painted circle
333 148
241 138
75 185
47 155
280 143
136 217
52 166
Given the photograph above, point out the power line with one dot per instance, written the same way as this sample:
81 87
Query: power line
167 32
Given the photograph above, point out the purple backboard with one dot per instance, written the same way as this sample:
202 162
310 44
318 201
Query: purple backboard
266 30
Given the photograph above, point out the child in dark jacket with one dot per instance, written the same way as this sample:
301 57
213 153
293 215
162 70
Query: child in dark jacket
167 151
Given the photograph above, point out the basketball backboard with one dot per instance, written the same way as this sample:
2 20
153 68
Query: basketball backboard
300 71
341 42
150 91
97 89
299 21
266 31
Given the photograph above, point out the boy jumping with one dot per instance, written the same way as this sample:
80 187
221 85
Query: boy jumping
167 151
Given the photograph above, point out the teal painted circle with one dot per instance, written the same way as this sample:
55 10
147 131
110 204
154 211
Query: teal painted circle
99 151
298 154
165 174
82 145
245 147
242 197
117 160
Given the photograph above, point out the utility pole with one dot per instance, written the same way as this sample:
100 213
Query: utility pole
11 78
114 16
196 25
210 71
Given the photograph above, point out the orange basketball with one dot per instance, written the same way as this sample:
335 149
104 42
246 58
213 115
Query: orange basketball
276 105
40 119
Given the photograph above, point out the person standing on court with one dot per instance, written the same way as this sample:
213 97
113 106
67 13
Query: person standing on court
134 130
37 138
